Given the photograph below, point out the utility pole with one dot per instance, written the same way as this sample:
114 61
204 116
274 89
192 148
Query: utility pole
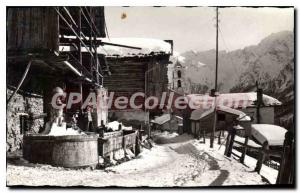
216 80
259 101
217 49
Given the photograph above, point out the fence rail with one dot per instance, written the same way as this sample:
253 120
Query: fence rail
114 141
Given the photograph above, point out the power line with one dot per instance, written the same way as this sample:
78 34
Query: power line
106 30
226 47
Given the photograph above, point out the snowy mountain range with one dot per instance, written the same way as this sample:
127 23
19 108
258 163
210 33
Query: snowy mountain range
270 63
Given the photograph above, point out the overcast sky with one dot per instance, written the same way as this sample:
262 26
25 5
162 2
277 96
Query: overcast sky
194 28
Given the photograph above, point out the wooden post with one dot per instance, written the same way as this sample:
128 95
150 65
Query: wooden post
262 157
242 158
227 143
199 134
219 138
140 132
259 101
231 142
137 145
212 136
286 170
204 136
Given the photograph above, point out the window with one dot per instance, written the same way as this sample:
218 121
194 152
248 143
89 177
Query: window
221 117
179 74
178 83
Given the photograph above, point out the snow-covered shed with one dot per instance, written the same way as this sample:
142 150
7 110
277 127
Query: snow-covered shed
167 122
245 102
202 119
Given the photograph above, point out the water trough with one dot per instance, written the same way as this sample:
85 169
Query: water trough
63 151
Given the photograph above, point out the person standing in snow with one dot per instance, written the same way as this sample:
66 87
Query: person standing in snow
88 118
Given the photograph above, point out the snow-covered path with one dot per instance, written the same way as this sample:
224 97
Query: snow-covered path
174 161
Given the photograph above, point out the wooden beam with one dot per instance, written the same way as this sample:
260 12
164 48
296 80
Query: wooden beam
96 42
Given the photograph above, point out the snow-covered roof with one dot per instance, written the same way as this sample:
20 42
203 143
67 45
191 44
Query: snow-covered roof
201 113
164 118
233 100
147 45
197 114
273 134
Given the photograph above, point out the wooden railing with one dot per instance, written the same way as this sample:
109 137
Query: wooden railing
114 141
286 154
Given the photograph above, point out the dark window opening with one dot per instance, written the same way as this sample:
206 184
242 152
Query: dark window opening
221 117
178 83
179 74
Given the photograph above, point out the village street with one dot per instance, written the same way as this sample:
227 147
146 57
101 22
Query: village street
175 160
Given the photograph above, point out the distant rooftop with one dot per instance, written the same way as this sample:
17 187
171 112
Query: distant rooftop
233 100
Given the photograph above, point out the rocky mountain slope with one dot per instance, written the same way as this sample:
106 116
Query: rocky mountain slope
241 68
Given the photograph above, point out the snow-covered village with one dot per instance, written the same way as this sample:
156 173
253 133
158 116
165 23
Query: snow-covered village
150 97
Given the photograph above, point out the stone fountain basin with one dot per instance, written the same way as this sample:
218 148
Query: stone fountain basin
63 151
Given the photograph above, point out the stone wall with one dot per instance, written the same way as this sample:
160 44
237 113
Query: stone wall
20 104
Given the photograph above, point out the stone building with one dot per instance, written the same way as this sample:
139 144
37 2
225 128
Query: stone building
178 83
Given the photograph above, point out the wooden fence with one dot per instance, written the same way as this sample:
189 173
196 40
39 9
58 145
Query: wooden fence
286 174
113 141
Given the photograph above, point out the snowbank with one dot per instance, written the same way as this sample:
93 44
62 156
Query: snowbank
55 130
238 173
269 173
167 134
273 134
115 126
251 143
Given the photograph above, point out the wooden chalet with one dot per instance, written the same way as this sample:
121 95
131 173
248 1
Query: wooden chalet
36 64
133 71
